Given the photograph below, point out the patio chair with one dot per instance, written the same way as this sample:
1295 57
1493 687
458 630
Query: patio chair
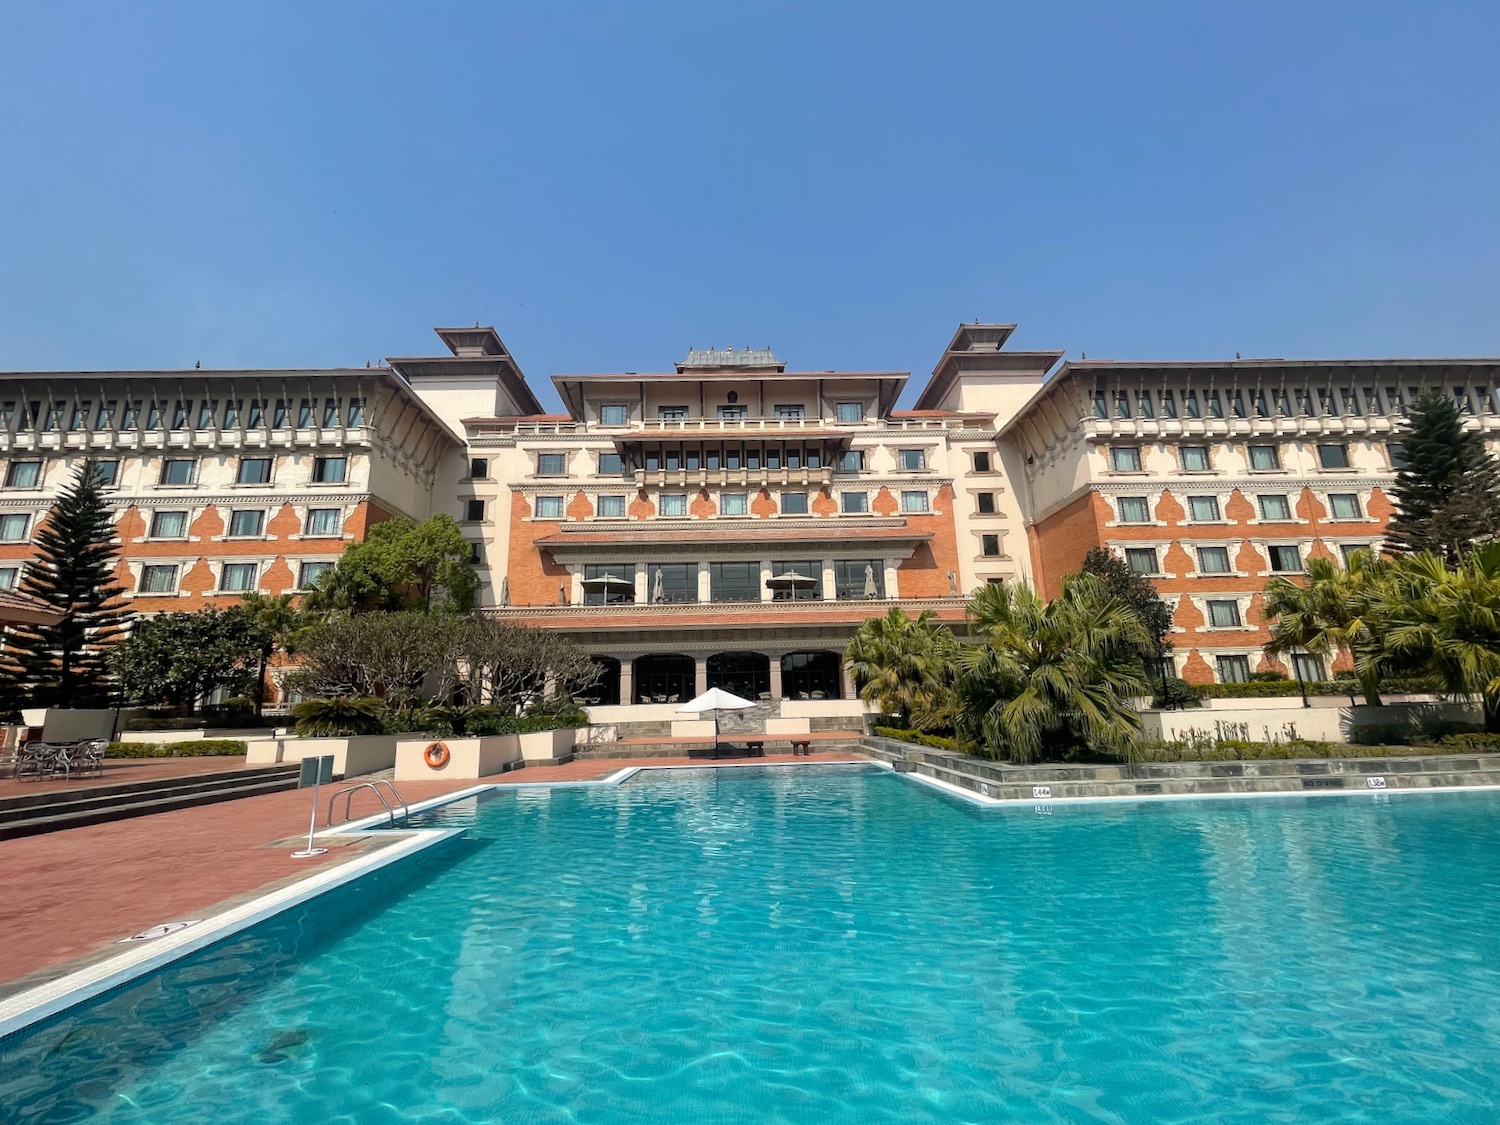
35 761
88 757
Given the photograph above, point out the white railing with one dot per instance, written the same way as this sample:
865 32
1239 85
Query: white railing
677 427
872 607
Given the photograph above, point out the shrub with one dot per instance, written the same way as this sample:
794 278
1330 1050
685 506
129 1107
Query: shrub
1268 677
203 748
339 716
1476 741
154 723
918 738
1176 693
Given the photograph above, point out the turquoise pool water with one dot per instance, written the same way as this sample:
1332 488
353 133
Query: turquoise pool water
836 945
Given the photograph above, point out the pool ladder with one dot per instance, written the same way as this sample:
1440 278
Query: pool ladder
373 787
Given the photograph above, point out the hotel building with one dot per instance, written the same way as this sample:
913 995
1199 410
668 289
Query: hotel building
730 522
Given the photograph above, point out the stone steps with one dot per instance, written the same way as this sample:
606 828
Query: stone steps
34 813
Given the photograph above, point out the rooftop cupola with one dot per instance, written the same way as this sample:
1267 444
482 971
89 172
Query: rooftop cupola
717 359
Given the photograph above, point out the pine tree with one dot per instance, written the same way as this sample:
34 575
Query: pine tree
1447 493
1140 595
64 664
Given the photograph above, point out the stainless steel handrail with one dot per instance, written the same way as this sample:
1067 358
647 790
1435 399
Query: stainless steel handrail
373 787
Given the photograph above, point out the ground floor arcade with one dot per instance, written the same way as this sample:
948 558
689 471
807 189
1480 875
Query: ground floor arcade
673 677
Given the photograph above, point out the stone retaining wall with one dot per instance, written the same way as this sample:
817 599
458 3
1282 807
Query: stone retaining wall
1152 779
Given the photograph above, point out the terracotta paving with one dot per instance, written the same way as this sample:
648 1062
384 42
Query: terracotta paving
69 896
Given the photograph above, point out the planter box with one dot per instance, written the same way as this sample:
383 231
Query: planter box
351 756
467 757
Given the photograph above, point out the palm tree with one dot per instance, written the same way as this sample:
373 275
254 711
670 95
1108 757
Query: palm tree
276 621
903 665
1332 610
1446 623
1058 675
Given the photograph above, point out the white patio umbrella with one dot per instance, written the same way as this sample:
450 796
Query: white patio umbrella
715 700
609 582
793 582
870 590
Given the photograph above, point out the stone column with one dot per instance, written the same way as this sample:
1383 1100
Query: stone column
846 683
775 675
890 579
830 591
703 590
766 592
642 584
627 680
700 675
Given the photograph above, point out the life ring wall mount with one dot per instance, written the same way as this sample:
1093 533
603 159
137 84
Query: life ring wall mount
436 755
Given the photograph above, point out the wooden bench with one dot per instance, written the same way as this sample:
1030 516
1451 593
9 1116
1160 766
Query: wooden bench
801 746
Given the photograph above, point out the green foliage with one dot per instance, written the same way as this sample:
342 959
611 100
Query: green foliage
479 721
1447 494
1050 678
202 748
276 622
919 738
1270 677
66 664
1479 742
1195 748
1335 609
905 666
401 565
179 657
1176 693
1140 595
339 716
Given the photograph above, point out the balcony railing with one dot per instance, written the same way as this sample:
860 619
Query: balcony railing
213 438
716 427
631 613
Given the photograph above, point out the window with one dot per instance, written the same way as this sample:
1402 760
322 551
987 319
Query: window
610 507
330 470
1141 560
207 409
614 414
1239 405
1264 457
1194 458
246 523
551 464
672 504
1213 560
810 586
474 511
850 411
733 413
733 504
81 411
1125 458
158 578
180 414
914 501
1286 560
911 460
178 470
1101 405
254 470
673 582
1397 452
1344 505
1144 399
1215 406
981 462
1190 400
309 573
106 473
985 503
672 413
1203 509
1348 550
852 461
989 546
257 413
169 525
231 413
858 578
1122 404
356 412
1307 667
1133 509
1261 410
791 411
13 527
1224 615
608 583
324 521
106 416
854 503
549 507
794 503
236 578
1168 404
153 416
10 577
330 413
1275 509
1233 669
734 582
23 474
304 414
279 414
1333 456
611 465
479 468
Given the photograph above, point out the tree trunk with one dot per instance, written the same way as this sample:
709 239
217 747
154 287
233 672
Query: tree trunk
1491 713
1371 689
260 687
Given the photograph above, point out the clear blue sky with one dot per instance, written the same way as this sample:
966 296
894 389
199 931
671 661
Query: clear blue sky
319 183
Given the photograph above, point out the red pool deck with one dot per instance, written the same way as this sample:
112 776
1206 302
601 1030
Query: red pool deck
67 897
120 770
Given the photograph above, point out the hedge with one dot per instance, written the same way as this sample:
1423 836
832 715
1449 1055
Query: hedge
917 738
202 748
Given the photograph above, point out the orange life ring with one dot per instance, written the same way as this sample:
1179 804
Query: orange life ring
436 755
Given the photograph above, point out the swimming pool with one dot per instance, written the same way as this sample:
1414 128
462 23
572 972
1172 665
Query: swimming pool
834 944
